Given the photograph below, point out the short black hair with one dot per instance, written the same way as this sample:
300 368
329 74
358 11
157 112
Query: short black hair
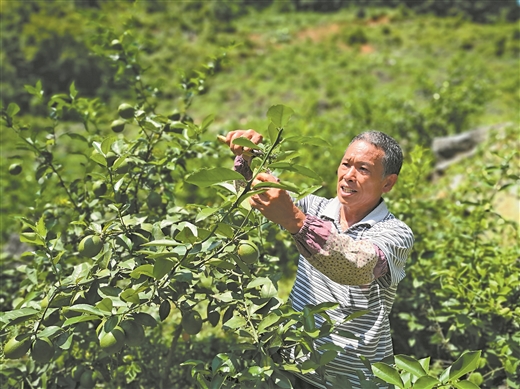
393 158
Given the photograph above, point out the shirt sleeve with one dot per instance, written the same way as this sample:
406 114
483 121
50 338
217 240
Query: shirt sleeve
338 256
241 166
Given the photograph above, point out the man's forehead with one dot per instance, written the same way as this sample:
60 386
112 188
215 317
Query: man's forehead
363 151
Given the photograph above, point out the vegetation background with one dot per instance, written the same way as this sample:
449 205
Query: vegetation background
414 69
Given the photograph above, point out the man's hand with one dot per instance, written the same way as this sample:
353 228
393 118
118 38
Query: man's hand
252 135
277 206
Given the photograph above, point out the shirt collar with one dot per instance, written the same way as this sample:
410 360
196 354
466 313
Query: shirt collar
332 210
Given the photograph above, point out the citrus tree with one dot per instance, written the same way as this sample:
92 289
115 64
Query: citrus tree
138 231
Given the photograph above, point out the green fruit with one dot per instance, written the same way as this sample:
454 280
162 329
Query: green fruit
191 322
90 246
77 371
86 380
134 332
113 341
99 188
118 125
126 111
154 200
248 252
237 219
42 350
15 169
17 348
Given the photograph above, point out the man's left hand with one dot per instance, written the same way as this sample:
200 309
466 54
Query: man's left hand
276 205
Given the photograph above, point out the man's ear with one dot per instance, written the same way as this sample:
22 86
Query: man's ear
389 182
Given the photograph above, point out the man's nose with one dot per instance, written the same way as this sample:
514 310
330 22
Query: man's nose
348 173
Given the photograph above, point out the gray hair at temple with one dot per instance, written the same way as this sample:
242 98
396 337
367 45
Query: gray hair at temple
393 158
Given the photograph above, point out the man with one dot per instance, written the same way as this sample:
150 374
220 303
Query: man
352 249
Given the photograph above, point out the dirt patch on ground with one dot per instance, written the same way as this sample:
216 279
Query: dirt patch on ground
317 34
320 34
378 21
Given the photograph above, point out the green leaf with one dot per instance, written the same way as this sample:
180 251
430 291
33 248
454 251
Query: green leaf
277 185
105 305
107 144
388 374
465 385
268 290
322 307
327 357
72 90
272 131
12 109
17 315
143 269
280 115
207 121
49 331
257 282
162 242
409 364
235 322
98 158
426 382
268 321
331 346
85 308
466 363
207 177
162 267
145 319
245 143
309 140
40 227
356 314
79 319
131 296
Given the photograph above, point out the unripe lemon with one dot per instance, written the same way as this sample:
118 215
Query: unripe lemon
15 169
113 341
86 380
237 219
126 111
154 200
90 246
99 188
134 332
17 348
42 350
191 322
118 125
77 371
248 252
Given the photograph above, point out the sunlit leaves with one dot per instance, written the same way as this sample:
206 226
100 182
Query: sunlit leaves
208 177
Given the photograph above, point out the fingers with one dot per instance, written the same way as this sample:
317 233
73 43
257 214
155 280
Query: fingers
264 177
252 135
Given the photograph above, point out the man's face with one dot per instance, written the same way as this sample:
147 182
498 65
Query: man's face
360 177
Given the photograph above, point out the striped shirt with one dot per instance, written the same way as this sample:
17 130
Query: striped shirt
350 264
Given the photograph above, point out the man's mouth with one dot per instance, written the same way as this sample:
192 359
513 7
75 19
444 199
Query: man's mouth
346 189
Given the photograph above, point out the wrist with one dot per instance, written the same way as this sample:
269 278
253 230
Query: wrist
295 224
